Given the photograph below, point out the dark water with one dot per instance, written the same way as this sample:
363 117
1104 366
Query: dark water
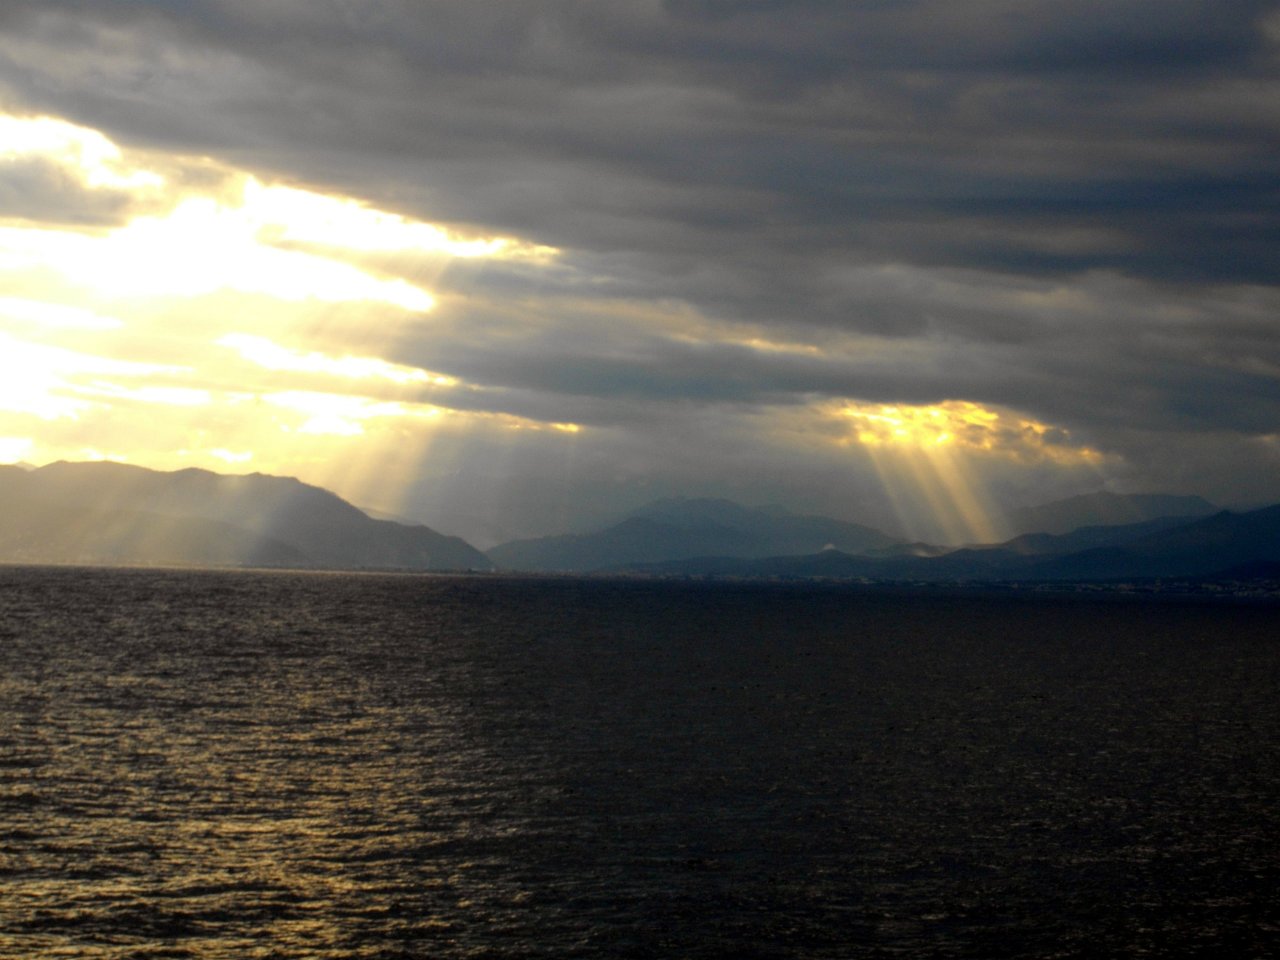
292 765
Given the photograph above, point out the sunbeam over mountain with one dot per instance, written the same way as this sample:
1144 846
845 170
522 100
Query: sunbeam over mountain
118 514
870 411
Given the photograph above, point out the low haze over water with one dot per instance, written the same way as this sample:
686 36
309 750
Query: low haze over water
232 764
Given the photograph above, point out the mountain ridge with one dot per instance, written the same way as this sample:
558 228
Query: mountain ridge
681 527
120 513
1206 547
104 512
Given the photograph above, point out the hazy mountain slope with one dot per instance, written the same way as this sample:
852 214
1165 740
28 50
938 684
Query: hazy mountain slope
683 528
33 530
1103 509
320 529
12 479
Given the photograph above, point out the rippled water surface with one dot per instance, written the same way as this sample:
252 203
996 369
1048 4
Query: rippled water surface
310 765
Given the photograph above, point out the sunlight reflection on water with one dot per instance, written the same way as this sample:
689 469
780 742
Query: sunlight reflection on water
241 765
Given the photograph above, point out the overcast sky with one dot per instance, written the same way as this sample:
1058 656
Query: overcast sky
513 267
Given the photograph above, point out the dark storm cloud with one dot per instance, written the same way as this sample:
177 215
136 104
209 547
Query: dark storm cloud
1070 209
1096 352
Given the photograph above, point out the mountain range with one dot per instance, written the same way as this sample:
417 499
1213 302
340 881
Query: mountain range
1221 545
109 513
1103 509
685 528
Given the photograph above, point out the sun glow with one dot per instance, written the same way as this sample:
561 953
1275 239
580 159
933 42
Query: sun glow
37 379
54 316
13 449
85 153
165 396
177 311
343 414
221 229
289 215
202 246
231 456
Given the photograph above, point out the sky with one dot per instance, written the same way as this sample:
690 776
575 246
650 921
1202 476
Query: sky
511 269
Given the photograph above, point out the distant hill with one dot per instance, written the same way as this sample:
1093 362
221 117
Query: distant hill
1220 545
683 528
118 513
1104 509
1091 537
1029 544
1205 547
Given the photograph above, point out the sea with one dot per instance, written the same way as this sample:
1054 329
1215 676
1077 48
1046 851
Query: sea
244 764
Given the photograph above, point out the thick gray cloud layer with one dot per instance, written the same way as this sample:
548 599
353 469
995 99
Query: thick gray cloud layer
1069 209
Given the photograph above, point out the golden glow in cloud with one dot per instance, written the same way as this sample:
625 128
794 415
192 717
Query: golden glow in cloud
932 459
86 154
961 424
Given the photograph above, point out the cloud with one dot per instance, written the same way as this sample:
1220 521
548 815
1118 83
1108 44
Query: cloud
714 220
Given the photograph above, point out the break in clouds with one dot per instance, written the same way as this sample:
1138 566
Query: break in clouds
749 229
